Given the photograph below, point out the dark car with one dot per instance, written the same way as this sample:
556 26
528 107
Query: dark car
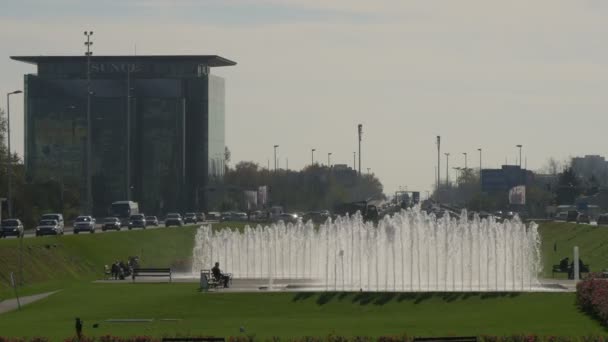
48 227
137 221
190 218
84 224
602 220
152 221
572 216
11 227
583 218
174 219
111 223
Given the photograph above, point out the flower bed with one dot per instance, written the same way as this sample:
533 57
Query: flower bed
592 297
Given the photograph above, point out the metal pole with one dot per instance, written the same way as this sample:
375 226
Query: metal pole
312 156
275 157
88 43
21 259
438 161
360 128
9 168
128 135
354 160
465 160
9 164
480 182
329 159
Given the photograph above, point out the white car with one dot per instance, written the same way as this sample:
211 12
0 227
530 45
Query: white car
84 224
48 227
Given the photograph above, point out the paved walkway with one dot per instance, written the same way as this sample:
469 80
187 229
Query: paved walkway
11 304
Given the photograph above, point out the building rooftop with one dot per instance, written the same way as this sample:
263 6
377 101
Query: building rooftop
209 60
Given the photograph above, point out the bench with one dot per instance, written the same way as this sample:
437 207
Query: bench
560 269
208 281
151 272
447 338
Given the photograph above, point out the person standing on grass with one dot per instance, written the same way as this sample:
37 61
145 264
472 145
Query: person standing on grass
78 328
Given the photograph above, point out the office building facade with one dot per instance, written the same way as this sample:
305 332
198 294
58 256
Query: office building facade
157 128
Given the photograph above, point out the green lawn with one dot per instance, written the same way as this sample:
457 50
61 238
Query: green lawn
71 262
296 314
559 238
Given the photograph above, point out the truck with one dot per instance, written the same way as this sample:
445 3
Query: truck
123 211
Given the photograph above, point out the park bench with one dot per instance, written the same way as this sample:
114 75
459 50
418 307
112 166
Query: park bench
208 281
152 272
561 269
446 339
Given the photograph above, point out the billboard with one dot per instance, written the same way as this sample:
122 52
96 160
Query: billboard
517 195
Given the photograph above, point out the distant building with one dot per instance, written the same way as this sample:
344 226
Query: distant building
591 166
175 129
503 179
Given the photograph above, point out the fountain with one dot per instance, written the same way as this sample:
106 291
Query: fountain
409 251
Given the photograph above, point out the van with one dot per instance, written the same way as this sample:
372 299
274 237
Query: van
54 216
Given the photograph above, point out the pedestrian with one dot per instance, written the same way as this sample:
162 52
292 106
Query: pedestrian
78 328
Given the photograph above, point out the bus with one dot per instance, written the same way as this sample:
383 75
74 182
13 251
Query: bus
123 210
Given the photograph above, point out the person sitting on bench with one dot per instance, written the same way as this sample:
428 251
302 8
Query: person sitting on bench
563 264
219 276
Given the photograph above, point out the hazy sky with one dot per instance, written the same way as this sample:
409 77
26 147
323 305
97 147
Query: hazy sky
489 74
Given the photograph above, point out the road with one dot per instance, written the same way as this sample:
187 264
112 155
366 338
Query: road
70 230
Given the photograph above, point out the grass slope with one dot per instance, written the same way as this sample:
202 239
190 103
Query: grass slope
559 238
59 262
296 314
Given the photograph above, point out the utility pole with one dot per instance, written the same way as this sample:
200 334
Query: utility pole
465 160
275 157
438 161
88 43
128 135
9 163
312 156
480 173
329 159
360 129
447 168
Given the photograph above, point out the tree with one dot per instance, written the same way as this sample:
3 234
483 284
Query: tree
567 187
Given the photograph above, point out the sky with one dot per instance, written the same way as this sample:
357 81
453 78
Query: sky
480 73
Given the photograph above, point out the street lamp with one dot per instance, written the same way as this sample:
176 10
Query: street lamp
328 159
312 156
355 161
275 157
465 160
480 183
519 146
10 162
88 44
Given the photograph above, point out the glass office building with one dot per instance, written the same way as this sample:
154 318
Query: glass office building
157 128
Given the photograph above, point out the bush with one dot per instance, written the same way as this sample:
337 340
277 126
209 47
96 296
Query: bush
592 297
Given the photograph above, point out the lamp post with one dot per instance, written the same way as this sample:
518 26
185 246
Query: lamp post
465 160
9 164
480 182
519 146
312 156
88 44
360 131
447 168
275 157
328 159
354 160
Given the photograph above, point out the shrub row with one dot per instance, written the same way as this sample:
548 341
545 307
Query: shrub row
592 297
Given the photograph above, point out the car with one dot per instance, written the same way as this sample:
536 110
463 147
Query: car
54 216
190 218
240 216
111 223
200 217
173 219
572 216
152 221
84 223
48 227
602 220
583 218
226 216
11 227
561 216
137 221
213 215
287 218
